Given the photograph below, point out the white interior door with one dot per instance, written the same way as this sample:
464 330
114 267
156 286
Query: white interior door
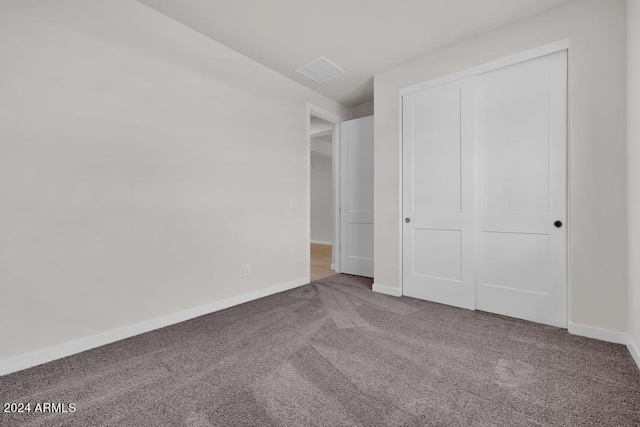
485 191
522 271
438 204
356 197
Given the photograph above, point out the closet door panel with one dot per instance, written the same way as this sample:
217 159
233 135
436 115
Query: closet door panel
438 205
522 254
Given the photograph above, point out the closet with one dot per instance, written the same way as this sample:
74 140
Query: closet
485 190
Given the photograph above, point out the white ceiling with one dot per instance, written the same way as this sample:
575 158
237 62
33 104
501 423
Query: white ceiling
364 37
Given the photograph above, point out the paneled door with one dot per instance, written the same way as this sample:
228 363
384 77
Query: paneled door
522 268
438 201
485 191
356 197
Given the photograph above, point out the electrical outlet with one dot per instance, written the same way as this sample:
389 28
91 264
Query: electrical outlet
246 270
293 203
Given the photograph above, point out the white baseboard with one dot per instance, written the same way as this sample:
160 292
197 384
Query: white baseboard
39 357
598 333
321 242
388 290
634 350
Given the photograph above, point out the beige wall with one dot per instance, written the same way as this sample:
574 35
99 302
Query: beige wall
633 166
131 183
597 164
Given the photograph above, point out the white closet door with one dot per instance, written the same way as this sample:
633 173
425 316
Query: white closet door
356 197
485 191
438 204
522 265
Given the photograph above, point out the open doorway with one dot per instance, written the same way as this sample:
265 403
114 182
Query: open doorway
344 151
323 191
322 198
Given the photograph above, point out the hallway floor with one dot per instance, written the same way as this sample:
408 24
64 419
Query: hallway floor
321 261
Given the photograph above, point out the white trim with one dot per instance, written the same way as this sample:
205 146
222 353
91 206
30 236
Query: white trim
634 350
400 197
598 333
39 357
569 224
313 110
337 248
536 52
387 290
321 242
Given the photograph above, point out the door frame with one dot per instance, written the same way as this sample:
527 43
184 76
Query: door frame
321 113
526 55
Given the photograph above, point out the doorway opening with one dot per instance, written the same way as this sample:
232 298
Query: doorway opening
322 195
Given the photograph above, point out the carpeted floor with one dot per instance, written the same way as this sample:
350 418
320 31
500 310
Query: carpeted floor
335 353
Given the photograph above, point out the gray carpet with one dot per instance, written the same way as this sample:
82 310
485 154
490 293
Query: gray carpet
335 353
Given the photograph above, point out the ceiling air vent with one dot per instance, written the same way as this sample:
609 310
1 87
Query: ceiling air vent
320 70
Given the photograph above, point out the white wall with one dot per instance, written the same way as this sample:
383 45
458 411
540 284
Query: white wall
362 110
321 198
597 164
633 166
141 164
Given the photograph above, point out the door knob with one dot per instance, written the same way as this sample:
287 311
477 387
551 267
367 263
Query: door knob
407 220
558 224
